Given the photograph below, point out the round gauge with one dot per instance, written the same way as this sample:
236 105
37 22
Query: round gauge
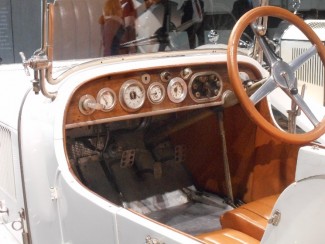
177 90
106 98
145 78
156 92
132 95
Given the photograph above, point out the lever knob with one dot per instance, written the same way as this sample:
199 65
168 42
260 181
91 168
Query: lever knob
25 63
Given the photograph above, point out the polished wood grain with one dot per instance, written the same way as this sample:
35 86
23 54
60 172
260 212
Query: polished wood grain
75 118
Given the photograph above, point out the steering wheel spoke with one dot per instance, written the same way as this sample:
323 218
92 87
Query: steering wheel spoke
297 98
270 55
264 90
300 60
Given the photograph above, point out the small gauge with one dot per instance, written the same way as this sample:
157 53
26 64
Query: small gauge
177 90
107 99
156 92
145 78
132 95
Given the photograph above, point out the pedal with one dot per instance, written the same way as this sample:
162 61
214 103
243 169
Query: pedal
180 153
127 159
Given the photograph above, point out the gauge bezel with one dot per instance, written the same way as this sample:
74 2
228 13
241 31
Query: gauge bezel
122 91
101 93
171 83
205 99
163 92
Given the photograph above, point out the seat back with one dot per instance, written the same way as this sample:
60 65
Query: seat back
76 29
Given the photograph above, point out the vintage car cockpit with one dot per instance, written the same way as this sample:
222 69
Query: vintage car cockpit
188 130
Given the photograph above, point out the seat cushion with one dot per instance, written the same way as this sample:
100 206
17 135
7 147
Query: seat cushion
250 218
228 236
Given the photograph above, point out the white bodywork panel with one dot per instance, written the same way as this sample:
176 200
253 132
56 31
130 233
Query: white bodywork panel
8 235
302 217
14 85
13 88
310 162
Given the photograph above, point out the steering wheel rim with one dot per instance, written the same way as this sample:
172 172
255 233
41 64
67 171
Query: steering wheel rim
233 71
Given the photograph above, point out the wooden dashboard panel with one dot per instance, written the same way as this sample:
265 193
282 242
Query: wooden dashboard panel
75 117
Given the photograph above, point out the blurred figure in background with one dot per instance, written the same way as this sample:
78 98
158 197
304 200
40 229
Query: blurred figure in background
112 27
129 15
193 10
240 7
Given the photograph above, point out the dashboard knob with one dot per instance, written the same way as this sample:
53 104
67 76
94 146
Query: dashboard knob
165 76
186 73
88 104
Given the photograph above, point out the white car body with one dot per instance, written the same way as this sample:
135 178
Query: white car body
42 200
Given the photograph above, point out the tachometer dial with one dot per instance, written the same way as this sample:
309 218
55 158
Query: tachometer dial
107 99
132 95
177 90
156 92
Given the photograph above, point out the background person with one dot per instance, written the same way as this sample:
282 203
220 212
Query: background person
193 10
240 7
129 15
112 27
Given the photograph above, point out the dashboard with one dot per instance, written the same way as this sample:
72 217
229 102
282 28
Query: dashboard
147 92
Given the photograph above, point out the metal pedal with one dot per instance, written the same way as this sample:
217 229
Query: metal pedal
180 153
127 159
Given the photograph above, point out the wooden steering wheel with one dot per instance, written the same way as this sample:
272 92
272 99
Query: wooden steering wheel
281 73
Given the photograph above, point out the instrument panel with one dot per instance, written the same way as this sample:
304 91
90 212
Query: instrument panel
149 92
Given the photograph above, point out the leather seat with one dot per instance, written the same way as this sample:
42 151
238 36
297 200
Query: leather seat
250 218
227 236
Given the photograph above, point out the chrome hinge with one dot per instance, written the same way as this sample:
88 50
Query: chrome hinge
150 240
4 212
21 224
275 219
3 208
54 193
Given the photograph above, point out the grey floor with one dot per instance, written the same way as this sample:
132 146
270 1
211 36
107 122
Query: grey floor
189 211
192 218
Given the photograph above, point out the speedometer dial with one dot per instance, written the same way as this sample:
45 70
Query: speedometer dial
132 95
177 90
